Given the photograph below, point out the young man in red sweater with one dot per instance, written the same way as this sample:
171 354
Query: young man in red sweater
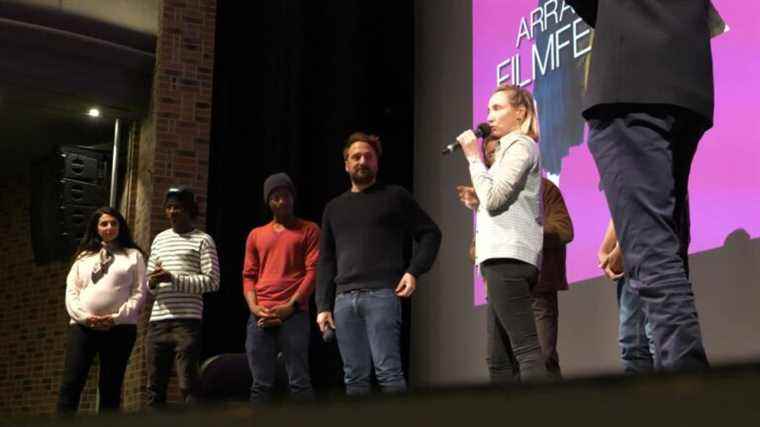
278 278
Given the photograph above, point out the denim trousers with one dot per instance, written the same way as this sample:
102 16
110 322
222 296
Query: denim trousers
262 345
514 353
634 332
368 330
644 156
112 347
167 341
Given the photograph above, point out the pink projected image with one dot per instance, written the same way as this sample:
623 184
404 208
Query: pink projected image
545 46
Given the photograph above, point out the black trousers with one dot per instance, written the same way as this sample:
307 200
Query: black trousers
167 341
514 352
113 348
546 313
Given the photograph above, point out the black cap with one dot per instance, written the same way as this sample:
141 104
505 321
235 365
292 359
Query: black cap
276 181
182 193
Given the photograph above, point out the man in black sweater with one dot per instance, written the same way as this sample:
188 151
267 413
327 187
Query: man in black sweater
362 271
649 99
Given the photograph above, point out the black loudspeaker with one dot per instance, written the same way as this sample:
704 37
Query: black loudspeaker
66 189
84 188
85 165
83 194
79 200
73 222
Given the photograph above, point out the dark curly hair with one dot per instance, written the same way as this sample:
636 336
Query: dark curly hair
91 241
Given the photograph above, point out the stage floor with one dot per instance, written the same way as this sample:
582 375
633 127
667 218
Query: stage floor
720 397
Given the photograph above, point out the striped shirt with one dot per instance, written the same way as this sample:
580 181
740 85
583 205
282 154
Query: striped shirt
191 259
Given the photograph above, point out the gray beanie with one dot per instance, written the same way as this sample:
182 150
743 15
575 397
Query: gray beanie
275 181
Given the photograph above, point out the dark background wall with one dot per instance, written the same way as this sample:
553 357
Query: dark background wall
292 80
448 333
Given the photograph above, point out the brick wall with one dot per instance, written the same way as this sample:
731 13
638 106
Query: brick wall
33 318
182 92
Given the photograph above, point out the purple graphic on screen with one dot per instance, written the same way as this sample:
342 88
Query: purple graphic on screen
533 42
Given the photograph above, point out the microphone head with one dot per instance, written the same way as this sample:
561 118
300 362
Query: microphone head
483 130
450 148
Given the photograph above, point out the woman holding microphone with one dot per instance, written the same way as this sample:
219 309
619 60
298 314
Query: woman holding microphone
509 233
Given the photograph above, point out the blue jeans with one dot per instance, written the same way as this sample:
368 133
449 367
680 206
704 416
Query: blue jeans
635 333
368 329
262 346
644 156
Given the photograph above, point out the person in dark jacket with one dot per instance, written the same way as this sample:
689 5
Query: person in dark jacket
649 99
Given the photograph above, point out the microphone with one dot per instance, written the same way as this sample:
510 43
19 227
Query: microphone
481 131
328 335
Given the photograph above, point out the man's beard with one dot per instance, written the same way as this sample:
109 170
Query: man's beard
362 175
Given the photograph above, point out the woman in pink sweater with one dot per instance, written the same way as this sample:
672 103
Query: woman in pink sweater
105 290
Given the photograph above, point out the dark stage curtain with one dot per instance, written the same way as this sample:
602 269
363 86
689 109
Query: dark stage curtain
292 79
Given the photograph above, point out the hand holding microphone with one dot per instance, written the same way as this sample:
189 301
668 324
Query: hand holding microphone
469 143
326 326
468 136
328 335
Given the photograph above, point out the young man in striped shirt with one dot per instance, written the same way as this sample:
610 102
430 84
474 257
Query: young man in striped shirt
182 266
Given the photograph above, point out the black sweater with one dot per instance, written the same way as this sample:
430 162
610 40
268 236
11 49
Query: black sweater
363 239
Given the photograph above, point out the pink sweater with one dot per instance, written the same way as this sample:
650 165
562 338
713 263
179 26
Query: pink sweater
120 292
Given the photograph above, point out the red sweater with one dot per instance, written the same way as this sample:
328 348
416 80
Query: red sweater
277 264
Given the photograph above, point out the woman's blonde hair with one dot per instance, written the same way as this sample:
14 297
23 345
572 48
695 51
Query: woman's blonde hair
519 97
